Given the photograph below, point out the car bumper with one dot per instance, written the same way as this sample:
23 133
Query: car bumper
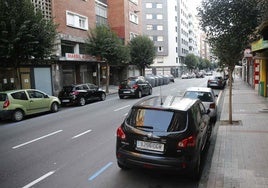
132 159
127 92
6 114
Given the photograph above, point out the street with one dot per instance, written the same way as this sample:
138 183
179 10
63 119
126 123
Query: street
76 147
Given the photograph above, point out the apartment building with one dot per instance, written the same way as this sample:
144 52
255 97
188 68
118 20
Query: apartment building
166 23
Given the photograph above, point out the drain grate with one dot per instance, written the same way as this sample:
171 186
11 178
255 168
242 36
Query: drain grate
234 123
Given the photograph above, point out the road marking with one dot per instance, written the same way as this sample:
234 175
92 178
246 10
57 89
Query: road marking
34 140
81 134
100 171
39 179
121 108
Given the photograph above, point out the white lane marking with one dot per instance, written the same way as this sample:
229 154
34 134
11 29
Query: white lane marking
34 140
81 134
39 179
121 108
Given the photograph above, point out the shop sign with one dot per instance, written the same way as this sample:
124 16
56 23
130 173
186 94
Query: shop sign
259 45
78 57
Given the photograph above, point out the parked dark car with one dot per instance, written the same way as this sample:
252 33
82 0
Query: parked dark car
134 86
216 82
166 133
80 94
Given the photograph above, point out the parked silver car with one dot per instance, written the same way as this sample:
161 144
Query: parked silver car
207 96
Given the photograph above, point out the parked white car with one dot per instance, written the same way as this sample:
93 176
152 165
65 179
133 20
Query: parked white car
207 96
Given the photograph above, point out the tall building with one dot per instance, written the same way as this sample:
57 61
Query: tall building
124 17
167 24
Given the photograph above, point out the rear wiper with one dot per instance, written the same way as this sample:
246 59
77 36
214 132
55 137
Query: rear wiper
144 127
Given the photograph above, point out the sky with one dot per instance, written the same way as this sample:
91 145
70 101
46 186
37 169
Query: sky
193 4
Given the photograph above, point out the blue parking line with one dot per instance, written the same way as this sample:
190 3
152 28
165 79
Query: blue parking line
100 171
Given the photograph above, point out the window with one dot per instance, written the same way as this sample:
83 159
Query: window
21 95
77 21
149 5
160 27
133 18
159 16
159 5
160 38
149 16
149 27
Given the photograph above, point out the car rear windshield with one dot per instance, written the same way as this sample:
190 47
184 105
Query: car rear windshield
3 96
129 83
67 88
203 96
157 120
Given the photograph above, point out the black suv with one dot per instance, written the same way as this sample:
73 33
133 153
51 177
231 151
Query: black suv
167 133
135 86
80 94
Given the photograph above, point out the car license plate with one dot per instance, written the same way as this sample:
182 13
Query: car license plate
126 92
150 146
66 100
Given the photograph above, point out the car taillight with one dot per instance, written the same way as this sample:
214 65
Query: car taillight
75 93
120 87
212 105
135 86
187 142
120 133
6 103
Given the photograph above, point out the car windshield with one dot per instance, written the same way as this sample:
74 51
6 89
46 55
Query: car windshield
3 96
203 96
157 120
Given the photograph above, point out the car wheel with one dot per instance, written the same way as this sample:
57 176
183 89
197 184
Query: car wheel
82 101
150 91
139 94
102 97
121 97
195 173
123 167
54 107
17 115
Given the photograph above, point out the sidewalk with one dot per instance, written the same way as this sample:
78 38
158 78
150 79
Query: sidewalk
240 156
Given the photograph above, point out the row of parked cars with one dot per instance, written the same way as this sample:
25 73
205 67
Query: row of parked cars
168 132
138 86
16 104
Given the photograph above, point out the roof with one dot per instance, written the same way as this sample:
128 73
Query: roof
203 89
166 102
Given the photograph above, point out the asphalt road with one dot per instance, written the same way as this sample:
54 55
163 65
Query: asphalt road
75 148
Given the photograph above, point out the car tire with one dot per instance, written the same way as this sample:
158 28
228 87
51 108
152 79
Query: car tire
18 115
121 97
103 97
139 94
150 91
82 101
54 107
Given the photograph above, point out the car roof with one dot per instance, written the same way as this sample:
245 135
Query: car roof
203 89
17 90
166 103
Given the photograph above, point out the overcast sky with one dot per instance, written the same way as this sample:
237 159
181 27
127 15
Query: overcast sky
193 4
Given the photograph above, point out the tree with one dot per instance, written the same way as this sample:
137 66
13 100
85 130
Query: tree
24 33
142 52
104 44
229 25
191 61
